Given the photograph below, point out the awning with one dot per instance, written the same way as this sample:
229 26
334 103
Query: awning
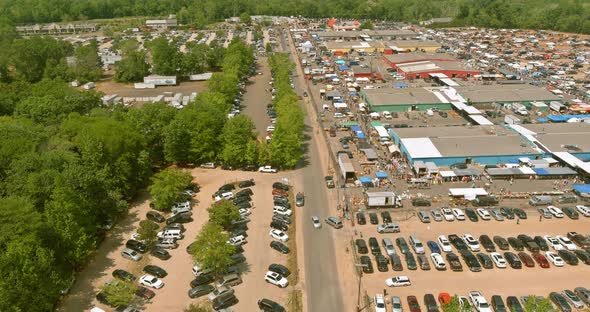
381 174
581 188
350 124
467 192
355 128
447 174
401 85
360 135
393 149
366 179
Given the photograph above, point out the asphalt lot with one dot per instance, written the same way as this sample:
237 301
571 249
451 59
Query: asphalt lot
257 97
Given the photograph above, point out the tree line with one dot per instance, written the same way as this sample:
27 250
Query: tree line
562 15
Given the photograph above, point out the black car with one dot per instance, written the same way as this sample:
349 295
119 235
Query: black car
102 298
279 225
227 187
501 242
225 303
386 217
568 256
541 242
367 265
202 279
454 262
485 260
361 246
283 204
250 168
507 212
471 261
458 242
421 202
513 260
268 305
529 243
279 268
280 247
280 186
238 258
200 291
160 253
154 216
411 261
373 218
516 243
242 200
560 302
136 245
280 199
374 245
246 183
246 191
487 243
381 263
583 256
498 304
282 218
183 217
513 304
396 262
402 245
360 218
123 275
520 213
471 215
571 213
430 303
155 270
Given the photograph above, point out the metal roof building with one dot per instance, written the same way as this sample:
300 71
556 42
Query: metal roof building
523 93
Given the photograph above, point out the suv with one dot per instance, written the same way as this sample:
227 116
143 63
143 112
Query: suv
424 216
388 228
154 216
420 202
268 305
361 246
479 302
334 222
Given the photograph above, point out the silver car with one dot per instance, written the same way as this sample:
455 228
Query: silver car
496 214
316 222
131 254
436 215
396 304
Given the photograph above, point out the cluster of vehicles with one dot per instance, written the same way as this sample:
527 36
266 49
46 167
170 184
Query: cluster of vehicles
572 249
473 214
566 301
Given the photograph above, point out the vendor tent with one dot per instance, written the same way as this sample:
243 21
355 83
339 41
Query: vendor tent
366 180
381 174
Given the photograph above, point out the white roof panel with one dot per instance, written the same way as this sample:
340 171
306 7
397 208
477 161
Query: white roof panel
467 192
421 148
481 120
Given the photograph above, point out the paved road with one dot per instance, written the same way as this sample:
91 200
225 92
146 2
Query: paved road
322 284
256 97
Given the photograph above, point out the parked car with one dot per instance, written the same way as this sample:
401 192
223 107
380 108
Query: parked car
413 304
423 262
526 259
373 218
151 281
521 214
498 304
458 242
420 202
541 260
459 214
436 215
155 270
571 213
568 256
280 247
398 281
200 291
454 262
123 275
444 243
485 260
583 255
579 239
487 243
396 262
144 293
573 299
220 291
498 260
366 264
501 242
402 245
131 254
381 263
447 214
433 246
554 258
374 245
507 212
515 243
268 305
484 214
430 303
160 254
471 261
136 245
471 215
276 279
513 260
154 216
513 304
560 301
335 222
410 261
360 218
553 242
246 183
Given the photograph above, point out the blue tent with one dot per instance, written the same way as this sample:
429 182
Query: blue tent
542 120
365 180
356 128
401 85
581 188
360 135
340 62
343 67
381 174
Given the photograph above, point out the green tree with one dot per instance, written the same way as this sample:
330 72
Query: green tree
167 185
223 213
148 231
29 57
193 307
245 18
455 306
132 68
538 304
120 293
211 249
165 57
236 135
88 66
150 120
366 25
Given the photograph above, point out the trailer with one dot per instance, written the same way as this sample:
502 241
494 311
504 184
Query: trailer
383 200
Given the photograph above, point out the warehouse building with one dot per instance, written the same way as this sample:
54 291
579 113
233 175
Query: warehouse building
401 46
420 65
506 94
405 99
392 34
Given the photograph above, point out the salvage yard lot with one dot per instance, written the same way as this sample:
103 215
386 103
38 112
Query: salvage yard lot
505 282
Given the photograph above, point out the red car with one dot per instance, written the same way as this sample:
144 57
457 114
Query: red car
444 298
144 293
280 192
526 259
413 303
541 260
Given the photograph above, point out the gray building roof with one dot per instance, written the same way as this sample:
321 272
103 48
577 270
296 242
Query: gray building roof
505 93
401 96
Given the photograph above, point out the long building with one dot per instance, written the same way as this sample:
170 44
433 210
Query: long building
423 65
54 29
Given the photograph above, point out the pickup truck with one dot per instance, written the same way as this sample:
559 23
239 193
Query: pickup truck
479 302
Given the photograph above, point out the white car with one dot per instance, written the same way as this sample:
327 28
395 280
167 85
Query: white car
472 243
380 303
556 212
553 242
398 281
566 242
151 281
237 240
226 196
279 235
484 214
317 223
439 262
270 128
267 169
444 243
459 214
244 212
554 258
498 259
583 210
276 279
282 211
479 302
447 214
198 271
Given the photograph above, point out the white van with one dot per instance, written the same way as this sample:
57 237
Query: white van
416 244
388 228
171 233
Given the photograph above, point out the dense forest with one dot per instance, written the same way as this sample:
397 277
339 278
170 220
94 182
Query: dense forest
563 15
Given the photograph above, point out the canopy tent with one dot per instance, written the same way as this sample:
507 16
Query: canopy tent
365 180
467 192
447 174
343 67
360 135
340 62
356 128
381 175
581 188
351 124
401 85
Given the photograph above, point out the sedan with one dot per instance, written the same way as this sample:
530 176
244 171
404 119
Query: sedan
541 260
486 243
413 304
279 235
484 214
386 216
444 243
554 258
373 218
553 242
472 243
566 242
541 242
155 271
507 212
458 213
585 211
573 299
145 293
282 211
583 256
398 281
521 214
436 215
498 260
315 221
513 260
270 306
279 268
123 275
161 254
200 291
569 257
280 247
560 301
151 281
471 215
526 259
276 279
366 264
556 212
485 260
433 246
154 216
516 243
571 213
501 242
447 214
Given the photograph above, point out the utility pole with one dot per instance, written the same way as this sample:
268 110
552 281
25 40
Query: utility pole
358 295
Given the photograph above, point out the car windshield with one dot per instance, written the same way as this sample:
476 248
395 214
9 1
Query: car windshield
380 305
484 305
